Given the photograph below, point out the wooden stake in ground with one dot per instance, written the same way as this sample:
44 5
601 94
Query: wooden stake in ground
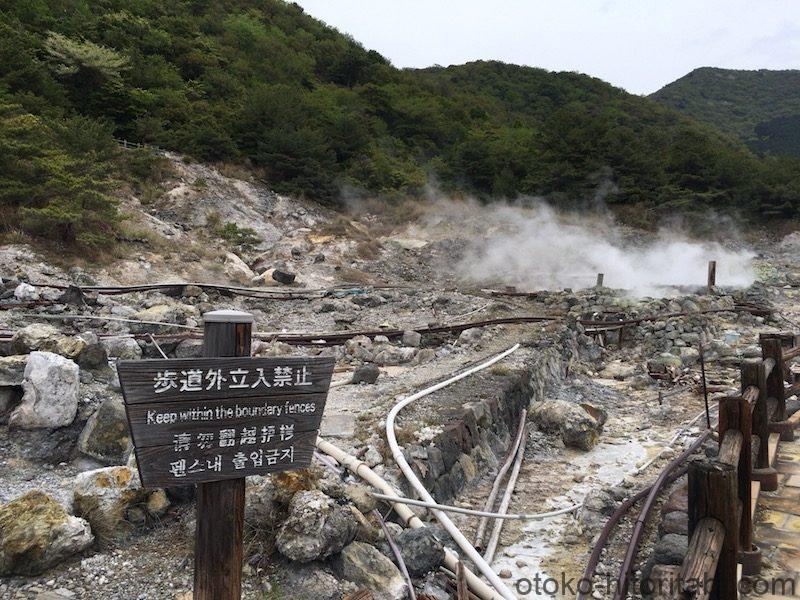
218 549
712 273
705 386
462 591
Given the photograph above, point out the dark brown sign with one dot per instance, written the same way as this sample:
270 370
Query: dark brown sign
207 419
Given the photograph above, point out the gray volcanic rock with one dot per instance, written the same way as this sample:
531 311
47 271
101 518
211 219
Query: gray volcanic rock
105 436
316 528
50 396
37 533
365 566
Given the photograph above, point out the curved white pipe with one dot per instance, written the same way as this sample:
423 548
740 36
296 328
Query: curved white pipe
359 468
397 454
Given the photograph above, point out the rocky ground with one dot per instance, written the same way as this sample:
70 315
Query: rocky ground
74 522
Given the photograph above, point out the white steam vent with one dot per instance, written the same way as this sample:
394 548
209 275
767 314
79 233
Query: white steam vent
534 248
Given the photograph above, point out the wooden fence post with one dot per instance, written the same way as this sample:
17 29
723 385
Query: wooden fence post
771 347
735 414
712 493
219 551
712 273
754 374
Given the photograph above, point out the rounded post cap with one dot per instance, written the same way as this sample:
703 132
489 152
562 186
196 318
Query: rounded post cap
228 316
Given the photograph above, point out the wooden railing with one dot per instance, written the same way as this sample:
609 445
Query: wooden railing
128 145
723 490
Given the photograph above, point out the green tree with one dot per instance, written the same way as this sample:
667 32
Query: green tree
57 193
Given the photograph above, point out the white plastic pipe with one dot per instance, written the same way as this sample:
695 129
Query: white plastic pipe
397 454
359 468
478 513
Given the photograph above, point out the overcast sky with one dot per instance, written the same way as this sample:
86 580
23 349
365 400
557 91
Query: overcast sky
639 45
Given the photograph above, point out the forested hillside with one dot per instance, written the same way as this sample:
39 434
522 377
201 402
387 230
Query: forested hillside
261 83
760 107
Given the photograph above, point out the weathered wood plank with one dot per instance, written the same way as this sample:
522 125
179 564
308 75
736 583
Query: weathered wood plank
772 347
170 380
713 493
730 448
736 419
700 563
755 374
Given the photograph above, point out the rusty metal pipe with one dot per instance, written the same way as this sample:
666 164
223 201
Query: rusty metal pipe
638 528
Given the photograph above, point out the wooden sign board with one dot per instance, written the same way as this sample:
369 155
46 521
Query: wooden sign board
208 419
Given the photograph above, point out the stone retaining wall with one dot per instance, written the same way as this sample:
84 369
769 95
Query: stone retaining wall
479 437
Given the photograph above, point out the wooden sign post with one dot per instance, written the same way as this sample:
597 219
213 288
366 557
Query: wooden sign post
214 420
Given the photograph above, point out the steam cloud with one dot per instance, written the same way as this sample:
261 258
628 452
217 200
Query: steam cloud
535 248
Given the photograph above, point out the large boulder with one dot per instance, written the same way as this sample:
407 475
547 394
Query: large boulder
236 269
36 533
691 356
25 292
618 370
107 498
674 522
159 313
421 551
367 373
412 338
359 347
40 336
312 582
393 355
316 528
94 354
283 276
664 362
598 505
105 435
470 337
123 348
579 425
365 566
50 398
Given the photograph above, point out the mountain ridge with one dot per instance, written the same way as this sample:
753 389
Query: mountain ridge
757 105
261 84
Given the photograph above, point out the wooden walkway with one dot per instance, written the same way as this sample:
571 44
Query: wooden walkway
777 524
